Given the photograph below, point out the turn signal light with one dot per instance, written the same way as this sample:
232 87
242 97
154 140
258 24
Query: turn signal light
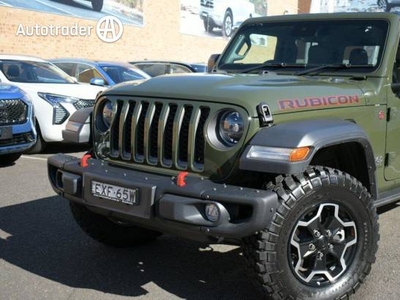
299 154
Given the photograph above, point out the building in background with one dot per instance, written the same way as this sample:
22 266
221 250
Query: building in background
153 30
329 6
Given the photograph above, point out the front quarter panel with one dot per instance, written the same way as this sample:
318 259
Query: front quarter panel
315 134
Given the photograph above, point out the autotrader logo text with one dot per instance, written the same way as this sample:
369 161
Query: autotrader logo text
54 30
109 29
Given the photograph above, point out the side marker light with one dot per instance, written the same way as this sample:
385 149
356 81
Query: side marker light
299 154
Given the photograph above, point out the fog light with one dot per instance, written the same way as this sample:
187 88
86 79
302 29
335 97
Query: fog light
212 212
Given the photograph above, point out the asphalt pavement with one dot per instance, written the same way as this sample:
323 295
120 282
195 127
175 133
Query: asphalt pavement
45 255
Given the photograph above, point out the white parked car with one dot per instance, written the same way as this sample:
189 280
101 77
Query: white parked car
55 95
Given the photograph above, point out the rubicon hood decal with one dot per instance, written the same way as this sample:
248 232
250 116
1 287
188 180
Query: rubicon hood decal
333 100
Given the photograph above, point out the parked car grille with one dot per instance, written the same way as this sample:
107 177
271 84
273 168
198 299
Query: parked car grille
83 104
13 111
159 133
207 3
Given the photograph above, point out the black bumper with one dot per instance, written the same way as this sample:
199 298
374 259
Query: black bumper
163 205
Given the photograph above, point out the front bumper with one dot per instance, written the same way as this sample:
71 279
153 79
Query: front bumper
17 138
163 205
208 14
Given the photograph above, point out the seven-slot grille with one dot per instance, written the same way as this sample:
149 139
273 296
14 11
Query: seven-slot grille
13 111
160 133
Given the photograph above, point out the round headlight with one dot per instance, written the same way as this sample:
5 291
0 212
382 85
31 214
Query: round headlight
231 127
107 113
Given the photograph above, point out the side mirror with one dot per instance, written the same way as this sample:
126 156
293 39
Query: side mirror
97 81
212 61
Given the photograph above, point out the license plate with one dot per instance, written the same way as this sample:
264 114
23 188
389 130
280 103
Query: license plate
204 14
114 193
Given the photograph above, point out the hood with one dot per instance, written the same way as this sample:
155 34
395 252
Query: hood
10 91
82 91
283 93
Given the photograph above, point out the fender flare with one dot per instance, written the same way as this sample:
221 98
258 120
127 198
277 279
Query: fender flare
78 129
315 134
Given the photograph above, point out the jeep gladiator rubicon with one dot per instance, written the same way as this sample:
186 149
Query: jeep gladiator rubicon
286 147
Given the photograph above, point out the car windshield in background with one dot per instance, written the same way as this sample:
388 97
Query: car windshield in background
295 45
33 72
156 68
120 74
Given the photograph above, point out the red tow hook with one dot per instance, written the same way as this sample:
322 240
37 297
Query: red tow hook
84 160
180 179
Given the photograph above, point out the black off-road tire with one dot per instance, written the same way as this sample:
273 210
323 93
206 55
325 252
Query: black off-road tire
8 159
108 232
284 257
97 5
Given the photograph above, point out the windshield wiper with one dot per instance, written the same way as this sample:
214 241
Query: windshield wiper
271 65
324 67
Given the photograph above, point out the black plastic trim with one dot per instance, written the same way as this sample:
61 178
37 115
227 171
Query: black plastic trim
316 134
163 205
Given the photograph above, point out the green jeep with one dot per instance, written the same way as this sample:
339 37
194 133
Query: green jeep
286 147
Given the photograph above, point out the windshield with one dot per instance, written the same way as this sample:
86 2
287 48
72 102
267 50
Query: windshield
120 74
291 45
33 72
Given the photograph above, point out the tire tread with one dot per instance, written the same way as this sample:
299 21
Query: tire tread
260 250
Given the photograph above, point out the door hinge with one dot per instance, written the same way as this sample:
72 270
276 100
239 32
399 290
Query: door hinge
390 158
392 113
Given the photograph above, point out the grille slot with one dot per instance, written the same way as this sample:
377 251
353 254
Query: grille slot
13 111
159 133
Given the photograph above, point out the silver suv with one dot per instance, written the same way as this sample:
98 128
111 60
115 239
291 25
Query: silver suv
225 14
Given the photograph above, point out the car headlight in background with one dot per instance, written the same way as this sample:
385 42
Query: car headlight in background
231 126
54 99
60 114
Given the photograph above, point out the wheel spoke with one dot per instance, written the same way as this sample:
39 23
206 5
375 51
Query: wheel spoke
319 263
337 250
334 225
314 226
305 249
